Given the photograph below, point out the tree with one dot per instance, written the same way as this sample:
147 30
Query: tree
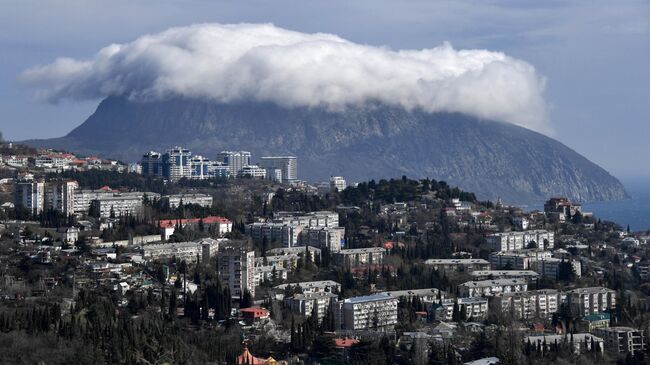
246 300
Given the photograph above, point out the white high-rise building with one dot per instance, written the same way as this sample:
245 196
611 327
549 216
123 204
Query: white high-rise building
337 183
287 164
60 196
177 164
236 266
235 160
370 312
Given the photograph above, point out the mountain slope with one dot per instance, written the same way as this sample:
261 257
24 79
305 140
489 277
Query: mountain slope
374 141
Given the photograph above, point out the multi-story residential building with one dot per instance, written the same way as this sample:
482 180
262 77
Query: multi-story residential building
428 295
491 287
323 237
328 286
463 265
236 267
299 250
288 165
475 308
270 273
643 269
305 304
622 339
294 228
289 261
235 160
188 251
122 203
215 224
337 183
562 206
202 168
252 171
287 234
528 304
151 164
552 267
176 163
60 195
31 195
369 312
511 241
530 275
175 200
117 205
592 300
313 219
581 342
516 260
356 257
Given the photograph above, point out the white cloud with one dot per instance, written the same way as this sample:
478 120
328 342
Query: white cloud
267 63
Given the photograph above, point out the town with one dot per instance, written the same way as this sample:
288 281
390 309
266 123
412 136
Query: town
178 258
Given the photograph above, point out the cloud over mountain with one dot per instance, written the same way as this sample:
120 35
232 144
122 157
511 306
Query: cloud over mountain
262 62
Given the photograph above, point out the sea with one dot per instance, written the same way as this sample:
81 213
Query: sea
634 211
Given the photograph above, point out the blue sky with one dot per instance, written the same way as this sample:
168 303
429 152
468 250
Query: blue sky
593 54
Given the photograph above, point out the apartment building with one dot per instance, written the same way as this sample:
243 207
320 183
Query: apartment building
329 286
622 339
30 195
516 260
463 265
270 273
59 195
288 261
356 257
428 295
236 267
288 165
337 183
323 237
305 303
530 275
592 300
491 287
552 267
235 160
188 251
314 219
475 308
369 312
287 234
528 304
175 200
511 241
313 251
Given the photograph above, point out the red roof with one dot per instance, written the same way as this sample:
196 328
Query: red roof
388 245
256 312
345 342
105 188
207 220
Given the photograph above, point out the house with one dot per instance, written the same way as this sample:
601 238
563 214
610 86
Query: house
253 314
593 322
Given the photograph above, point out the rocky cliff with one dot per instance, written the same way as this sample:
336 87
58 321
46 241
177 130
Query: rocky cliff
374 141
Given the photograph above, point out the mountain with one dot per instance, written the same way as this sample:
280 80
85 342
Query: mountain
489 158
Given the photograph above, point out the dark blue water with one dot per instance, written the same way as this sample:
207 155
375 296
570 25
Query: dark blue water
634 211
